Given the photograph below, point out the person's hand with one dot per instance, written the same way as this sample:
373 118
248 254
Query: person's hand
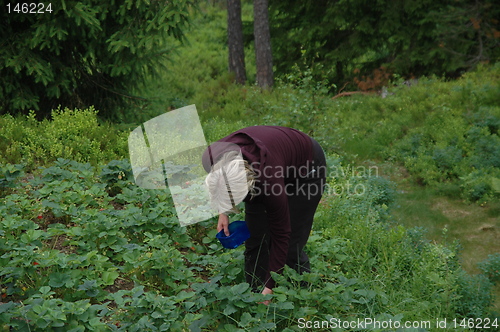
265 292
223 224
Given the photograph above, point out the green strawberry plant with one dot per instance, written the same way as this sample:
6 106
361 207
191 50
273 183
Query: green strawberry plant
85 249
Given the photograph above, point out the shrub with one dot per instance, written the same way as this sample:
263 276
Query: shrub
486 146
478 185
72 134
383 190
458 141
491 267
85 53
474 295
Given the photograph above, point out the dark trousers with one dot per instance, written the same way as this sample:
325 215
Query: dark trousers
302 205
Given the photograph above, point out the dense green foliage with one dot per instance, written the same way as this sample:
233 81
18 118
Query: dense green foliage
475 294
84 250
407 38
444 133
84 53
75 134
491 267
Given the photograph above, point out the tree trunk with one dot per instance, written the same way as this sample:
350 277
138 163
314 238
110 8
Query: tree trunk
263 53
235 41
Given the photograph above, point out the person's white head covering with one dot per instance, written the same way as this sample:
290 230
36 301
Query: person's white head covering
229 181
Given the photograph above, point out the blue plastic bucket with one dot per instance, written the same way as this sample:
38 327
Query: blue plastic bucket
238 233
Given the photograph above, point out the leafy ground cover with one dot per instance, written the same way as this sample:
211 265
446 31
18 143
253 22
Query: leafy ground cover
84 248
75 134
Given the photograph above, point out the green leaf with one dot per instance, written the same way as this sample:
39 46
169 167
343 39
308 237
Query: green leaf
156 315
108 277
229 309
45 290
4 307
240 288
42 322
245 319
77 329
49 204
267 326
90 287
58 279
88 284
58 315
95 323
183 295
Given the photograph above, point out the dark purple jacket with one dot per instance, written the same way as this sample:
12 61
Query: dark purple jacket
276 154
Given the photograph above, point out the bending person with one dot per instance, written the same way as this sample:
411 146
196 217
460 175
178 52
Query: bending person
279 173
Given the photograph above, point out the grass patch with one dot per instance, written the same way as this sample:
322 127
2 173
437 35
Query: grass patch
476 228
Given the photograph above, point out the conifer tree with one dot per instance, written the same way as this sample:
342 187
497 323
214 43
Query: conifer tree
78 53
235 41
263 51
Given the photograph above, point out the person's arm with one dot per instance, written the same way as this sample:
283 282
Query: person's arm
223 224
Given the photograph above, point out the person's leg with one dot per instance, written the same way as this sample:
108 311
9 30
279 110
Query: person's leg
302 209
257 246
302 205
